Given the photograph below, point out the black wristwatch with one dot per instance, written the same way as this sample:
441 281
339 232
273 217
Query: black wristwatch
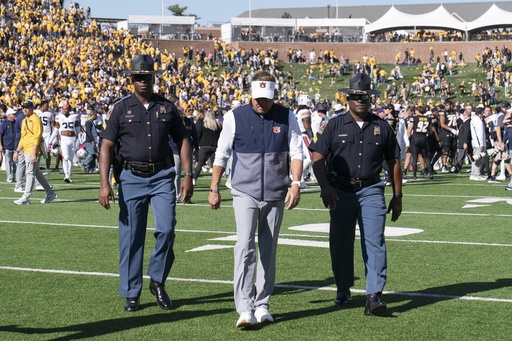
398 195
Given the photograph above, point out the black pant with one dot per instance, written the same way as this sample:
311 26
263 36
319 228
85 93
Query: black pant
205 153
419 145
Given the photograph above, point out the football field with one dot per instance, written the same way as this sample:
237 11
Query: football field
449 269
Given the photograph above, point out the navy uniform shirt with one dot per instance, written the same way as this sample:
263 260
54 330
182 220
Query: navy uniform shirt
355 152
143 134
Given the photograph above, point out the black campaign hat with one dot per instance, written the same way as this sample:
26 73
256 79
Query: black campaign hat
359 83
142 64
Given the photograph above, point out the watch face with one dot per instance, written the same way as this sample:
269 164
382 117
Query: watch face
399 195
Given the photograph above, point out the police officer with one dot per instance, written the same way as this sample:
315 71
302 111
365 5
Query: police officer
139 126
354 145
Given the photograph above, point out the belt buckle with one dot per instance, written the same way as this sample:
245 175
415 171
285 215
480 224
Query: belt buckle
358 183
151 167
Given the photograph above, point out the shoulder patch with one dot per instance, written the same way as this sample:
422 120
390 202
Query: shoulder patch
322 126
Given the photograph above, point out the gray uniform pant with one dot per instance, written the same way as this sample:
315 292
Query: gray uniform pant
254 283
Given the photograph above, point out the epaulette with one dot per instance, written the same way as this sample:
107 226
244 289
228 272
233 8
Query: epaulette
122 99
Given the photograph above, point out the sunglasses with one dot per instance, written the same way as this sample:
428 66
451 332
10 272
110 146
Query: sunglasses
358 97
140 78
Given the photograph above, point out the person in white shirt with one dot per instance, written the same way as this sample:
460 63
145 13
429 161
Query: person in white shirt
67 125
303 116
479 146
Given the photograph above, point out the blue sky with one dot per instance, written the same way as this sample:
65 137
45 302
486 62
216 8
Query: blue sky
220 11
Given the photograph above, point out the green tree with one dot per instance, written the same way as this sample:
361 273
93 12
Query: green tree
286 15
180 11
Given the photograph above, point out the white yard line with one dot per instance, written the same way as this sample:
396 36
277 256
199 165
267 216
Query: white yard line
302 287
281 234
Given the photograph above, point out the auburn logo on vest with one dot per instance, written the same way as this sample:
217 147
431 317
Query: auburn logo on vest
277 130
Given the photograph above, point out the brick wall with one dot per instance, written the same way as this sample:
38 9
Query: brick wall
384 52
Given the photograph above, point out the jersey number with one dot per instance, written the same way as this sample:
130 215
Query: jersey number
452 121
68 125
422 127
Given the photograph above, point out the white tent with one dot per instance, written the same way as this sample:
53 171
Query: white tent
395 19
493 17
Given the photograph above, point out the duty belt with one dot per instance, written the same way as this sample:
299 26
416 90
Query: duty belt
353 184
146 169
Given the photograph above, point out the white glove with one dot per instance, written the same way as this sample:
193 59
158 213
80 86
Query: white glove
455 132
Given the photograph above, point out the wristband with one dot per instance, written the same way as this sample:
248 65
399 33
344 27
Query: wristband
296 183
214 190
187 174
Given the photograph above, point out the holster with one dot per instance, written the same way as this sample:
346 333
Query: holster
117 167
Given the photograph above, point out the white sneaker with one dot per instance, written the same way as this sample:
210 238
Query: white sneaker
49 198
246 320
262 315
68 180
22 201
39 187
477 177
19 190
46 172
501 177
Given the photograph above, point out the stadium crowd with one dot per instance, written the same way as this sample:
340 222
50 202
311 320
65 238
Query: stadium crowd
60 57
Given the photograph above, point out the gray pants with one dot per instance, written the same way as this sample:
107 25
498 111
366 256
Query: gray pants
20 170
9 164
33 172
264 217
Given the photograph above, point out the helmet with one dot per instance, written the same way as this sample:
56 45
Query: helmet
81 153
305 100
55 151
321 107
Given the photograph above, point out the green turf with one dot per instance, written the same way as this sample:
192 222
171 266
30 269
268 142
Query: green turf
428 271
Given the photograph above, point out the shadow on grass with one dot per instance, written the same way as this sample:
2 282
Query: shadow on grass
302 286
418 299
412 300
131 321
